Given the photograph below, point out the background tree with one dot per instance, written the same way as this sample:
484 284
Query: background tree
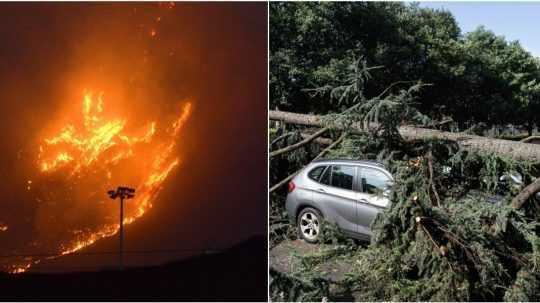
318 44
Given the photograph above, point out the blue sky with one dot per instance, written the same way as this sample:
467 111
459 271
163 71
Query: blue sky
513 20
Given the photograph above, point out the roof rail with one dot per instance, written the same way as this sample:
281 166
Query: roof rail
368 162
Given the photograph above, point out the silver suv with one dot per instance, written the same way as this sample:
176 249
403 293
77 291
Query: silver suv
345 192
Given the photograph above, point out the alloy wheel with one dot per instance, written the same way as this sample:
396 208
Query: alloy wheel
309 226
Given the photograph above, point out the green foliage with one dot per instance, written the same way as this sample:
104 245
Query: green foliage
287 288
482 171
355 76
486 246
390 112
330 234
525 288
315 49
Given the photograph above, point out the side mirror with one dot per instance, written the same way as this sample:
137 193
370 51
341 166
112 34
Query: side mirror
514 177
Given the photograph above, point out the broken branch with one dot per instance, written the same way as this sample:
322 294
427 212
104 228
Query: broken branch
525 194
322 153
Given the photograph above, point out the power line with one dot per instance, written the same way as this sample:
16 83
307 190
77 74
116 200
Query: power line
150 251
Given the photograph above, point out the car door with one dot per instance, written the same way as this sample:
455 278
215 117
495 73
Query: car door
375 185
336 198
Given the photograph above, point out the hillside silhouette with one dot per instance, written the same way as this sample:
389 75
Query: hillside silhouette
237 274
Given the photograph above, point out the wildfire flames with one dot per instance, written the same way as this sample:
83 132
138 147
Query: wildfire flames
98 136
94 148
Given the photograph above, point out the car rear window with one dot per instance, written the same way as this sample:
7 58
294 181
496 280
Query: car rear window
316 173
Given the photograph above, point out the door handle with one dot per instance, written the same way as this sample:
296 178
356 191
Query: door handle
322 190
364 201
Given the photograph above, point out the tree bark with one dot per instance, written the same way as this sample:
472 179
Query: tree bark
526 140
299 144
320 141
525 194
513 149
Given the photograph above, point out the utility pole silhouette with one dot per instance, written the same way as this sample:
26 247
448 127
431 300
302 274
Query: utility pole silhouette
123 193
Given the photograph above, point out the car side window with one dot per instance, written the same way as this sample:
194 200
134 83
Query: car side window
325 178
375 181
316 173
343 176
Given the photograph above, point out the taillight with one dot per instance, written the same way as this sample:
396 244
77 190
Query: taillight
291 187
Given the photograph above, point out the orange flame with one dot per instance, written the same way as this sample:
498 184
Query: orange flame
105 142
97 137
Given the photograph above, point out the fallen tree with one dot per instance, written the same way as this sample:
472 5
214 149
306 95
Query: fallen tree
443 237
430 244
512 149
438 241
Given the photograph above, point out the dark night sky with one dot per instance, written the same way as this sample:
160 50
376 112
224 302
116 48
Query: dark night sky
214 52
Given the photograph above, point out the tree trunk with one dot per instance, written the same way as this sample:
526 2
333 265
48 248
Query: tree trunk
513 149
530 138
525 194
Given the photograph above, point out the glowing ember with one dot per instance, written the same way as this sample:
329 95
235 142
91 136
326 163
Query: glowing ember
92 149
20 269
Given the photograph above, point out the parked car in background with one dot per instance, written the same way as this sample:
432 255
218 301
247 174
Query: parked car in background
348 193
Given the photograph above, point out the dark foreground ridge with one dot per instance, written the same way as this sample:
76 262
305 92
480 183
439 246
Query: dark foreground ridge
238 274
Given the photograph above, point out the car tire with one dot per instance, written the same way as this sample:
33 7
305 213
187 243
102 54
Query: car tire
308 224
